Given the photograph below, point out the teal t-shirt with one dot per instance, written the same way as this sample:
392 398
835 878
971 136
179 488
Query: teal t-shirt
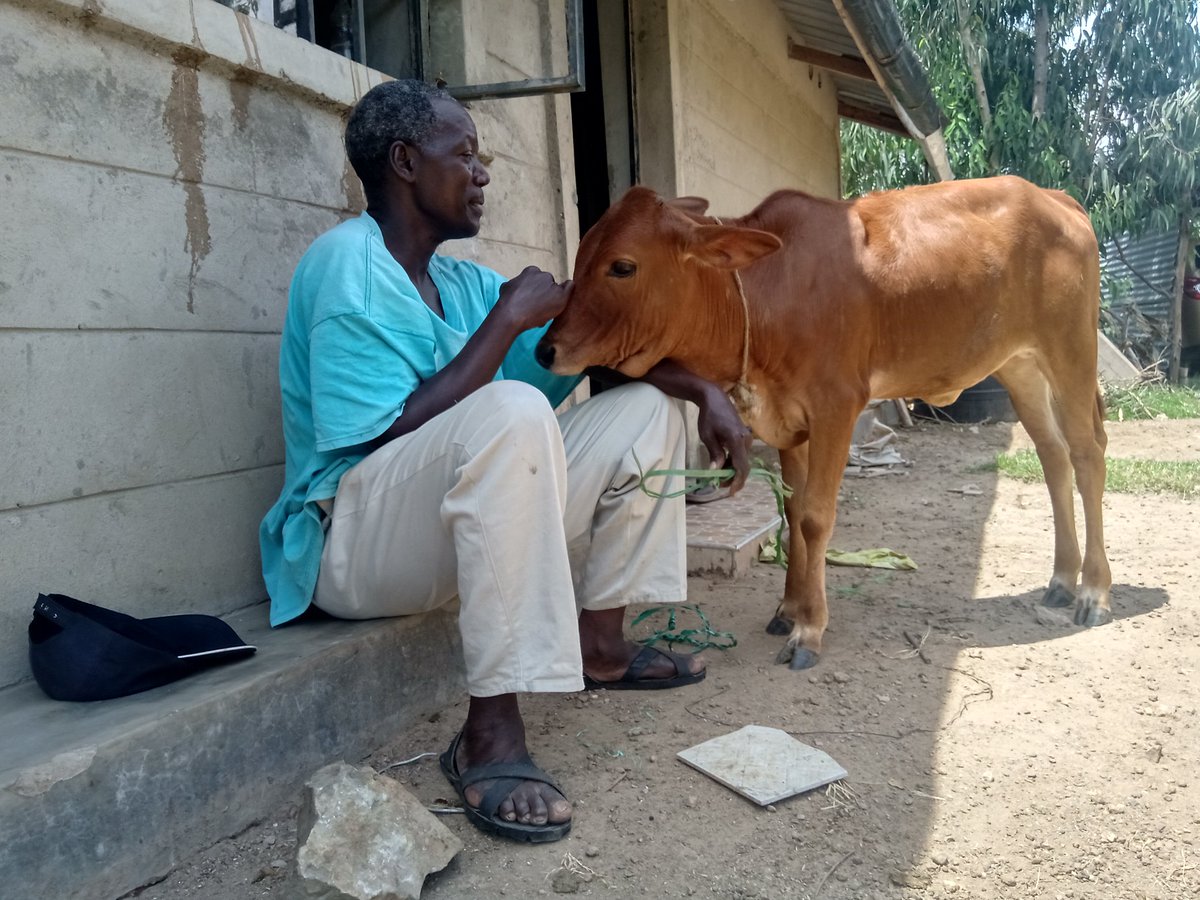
357 340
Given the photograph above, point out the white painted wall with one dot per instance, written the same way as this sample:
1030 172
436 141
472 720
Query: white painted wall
164 165
745 119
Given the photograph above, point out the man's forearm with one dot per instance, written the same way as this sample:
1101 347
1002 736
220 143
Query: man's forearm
676 381
474 366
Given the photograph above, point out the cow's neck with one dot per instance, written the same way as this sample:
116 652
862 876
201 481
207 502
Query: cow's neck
721 349
743 395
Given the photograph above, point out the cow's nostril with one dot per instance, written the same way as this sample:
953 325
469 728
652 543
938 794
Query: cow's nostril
544 353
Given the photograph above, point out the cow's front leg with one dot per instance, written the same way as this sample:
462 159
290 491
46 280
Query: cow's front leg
794 465
811 520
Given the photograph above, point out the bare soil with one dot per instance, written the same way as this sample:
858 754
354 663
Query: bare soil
1015 757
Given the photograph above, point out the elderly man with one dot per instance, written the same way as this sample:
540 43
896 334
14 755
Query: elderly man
424 459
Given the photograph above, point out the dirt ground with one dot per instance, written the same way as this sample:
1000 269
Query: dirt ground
1019 758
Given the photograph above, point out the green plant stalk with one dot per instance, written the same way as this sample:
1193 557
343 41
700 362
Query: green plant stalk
715 477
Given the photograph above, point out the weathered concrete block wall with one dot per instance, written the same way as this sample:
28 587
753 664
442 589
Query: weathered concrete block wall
165 163
749 120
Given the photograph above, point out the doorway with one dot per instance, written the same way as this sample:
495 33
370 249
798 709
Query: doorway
602 114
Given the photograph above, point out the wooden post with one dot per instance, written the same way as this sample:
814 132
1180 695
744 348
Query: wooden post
1181 258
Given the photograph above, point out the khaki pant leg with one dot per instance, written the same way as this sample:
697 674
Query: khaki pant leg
625 546
470 504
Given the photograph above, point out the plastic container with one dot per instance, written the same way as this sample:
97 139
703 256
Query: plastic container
987 400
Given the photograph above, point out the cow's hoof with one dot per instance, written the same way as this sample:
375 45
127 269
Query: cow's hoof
1058 596
779 626
1090 615
796 657
803 659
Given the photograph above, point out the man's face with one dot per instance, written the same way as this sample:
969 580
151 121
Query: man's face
450 178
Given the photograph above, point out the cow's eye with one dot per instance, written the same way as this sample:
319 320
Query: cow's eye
622 268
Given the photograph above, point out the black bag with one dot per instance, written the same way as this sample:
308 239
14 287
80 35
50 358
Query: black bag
79 651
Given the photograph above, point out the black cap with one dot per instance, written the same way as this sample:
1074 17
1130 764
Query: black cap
79 651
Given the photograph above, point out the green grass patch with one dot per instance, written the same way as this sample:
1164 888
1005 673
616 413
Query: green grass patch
1125 476
1151 400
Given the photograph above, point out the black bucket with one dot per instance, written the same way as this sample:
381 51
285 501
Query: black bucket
986 401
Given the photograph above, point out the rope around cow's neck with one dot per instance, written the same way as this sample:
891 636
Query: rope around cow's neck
742 393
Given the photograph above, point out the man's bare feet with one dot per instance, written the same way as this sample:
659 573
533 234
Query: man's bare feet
607 655
494 733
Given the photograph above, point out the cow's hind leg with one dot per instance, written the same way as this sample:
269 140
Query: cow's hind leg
1065 423
1080 411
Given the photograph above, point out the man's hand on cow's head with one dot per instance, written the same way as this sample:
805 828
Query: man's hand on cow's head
533 298
725 436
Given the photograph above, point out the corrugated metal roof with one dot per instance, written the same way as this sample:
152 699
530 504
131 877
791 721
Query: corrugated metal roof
816 24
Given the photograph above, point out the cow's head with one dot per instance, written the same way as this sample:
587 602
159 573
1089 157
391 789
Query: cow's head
642 274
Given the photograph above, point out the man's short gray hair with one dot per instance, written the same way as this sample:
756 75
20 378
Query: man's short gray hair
389 112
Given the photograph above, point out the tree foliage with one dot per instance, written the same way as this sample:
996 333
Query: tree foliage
1098 97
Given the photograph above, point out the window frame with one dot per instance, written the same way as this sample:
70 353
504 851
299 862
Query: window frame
303 17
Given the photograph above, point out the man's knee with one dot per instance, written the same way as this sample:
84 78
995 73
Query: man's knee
641 396
517 414
514 401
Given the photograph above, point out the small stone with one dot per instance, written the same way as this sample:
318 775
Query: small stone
940 859
564 881
690 802
771 807
841 677
592 851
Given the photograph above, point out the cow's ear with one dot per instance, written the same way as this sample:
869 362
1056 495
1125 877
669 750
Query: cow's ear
729 247
693 206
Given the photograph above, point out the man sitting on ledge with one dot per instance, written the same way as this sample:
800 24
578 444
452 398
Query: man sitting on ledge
425 461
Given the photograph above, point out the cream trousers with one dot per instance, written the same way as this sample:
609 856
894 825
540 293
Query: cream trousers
525 516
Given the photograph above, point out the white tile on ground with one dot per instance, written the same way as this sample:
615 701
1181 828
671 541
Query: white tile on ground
763 764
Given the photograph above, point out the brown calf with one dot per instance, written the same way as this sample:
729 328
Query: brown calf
807 308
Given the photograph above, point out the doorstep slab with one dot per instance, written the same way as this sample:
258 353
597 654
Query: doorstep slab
725 536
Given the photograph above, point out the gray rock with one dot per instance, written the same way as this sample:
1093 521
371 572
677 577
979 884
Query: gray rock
361 836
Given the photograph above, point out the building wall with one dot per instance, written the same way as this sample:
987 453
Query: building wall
164 166
723 113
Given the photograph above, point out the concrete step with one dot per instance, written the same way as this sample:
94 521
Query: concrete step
99 798
725 536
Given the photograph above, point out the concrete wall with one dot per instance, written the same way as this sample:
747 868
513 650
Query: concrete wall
722 111
165 163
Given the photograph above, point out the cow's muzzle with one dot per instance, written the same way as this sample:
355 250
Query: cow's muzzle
544 353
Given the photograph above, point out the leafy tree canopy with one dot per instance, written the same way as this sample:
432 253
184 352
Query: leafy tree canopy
1098 97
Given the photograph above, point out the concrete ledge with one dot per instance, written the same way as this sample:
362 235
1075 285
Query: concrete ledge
99 798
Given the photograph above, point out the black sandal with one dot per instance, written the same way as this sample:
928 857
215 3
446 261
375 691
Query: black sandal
632 680
508 776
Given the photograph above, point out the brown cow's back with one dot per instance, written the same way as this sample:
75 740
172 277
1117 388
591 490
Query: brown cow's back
886 283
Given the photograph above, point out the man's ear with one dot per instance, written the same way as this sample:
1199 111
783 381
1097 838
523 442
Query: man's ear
400 159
